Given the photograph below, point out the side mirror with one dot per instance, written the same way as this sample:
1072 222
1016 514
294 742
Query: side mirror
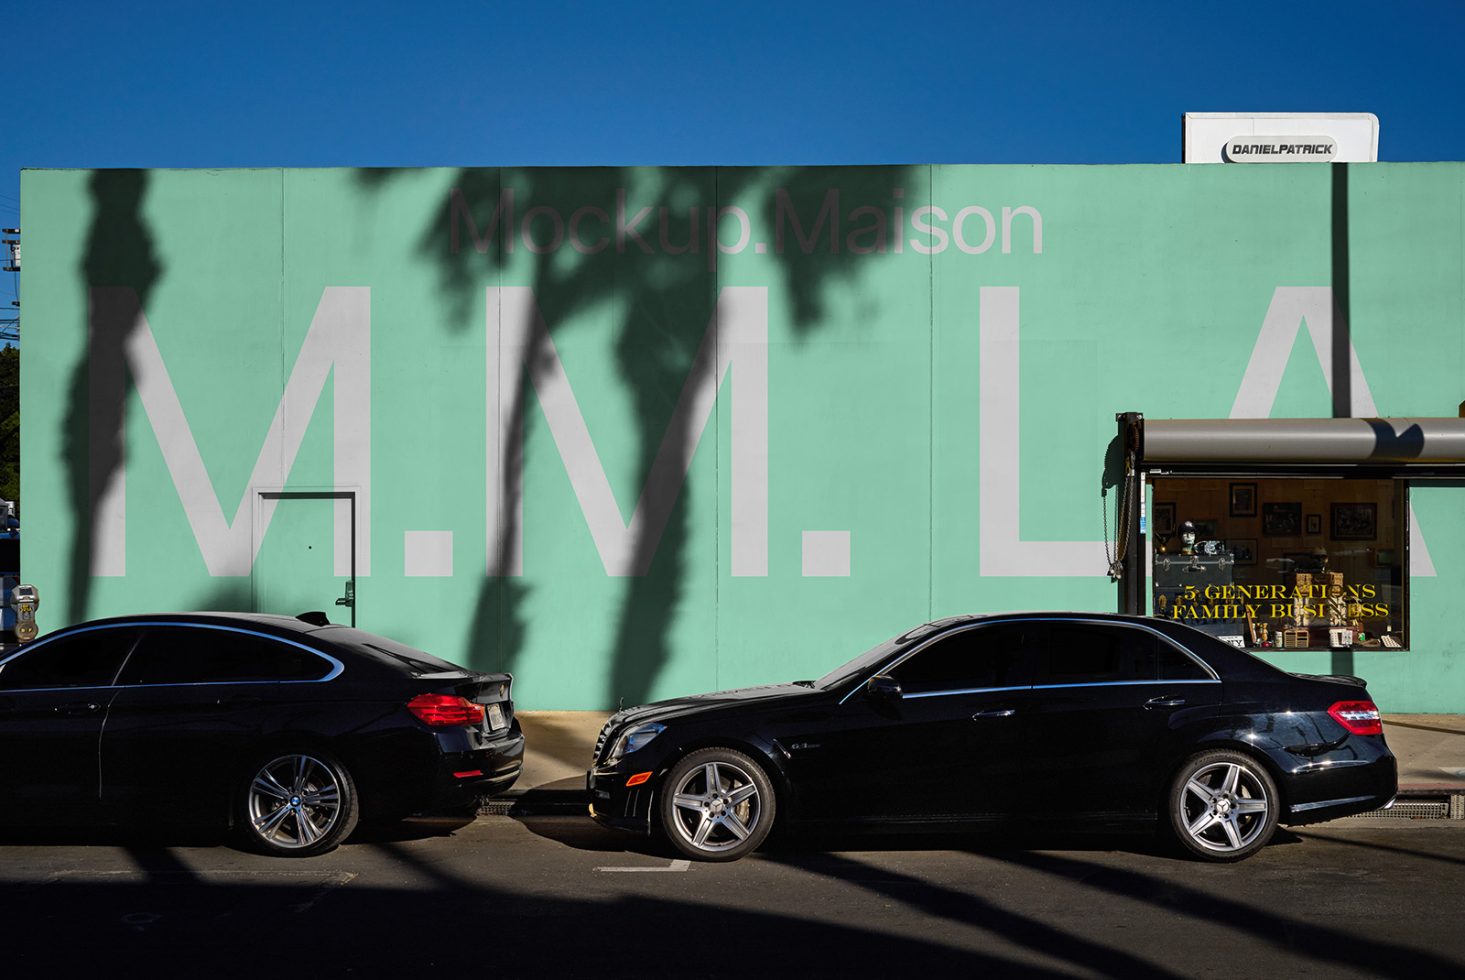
883 687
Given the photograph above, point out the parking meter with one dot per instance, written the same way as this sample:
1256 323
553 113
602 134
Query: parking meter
25 598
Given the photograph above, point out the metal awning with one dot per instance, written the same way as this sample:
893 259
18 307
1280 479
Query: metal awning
1355 442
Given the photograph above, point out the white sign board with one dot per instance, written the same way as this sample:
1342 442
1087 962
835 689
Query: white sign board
1281 137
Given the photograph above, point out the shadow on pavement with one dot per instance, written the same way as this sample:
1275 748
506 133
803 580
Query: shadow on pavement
421 909
1277 926
1375 846
973 911
139 840
413 828
125 837
810 842
315 925
561 798
584 834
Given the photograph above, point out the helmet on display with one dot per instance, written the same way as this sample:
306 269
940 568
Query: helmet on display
1187 538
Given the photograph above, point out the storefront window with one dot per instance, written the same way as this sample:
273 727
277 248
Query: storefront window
1282 563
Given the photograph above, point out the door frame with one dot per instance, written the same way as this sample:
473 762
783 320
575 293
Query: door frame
279 493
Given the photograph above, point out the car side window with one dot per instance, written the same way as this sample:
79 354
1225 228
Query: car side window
1172 665
1093 653
1085 653
988 656
89 658
204 655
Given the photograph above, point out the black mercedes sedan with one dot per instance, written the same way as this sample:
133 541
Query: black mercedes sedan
1100 721
289 730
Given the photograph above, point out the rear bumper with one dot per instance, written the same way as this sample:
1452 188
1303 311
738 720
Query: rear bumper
443 772
486 771
1367 778
497 766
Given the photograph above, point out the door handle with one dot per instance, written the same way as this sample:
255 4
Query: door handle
1164 701
77 708
995 713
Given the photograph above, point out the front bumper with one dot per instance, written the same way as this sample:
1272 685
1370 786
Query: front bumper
614 804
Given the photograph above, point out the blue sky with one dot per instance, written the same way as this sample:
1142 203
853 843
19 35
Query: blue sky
305 84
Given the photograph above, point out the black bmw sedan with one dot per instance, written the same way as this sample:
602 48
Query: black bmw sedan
286 729
1107 722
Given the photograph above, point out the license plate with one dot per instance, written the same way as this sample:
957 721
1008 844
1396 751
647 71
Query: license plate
495 716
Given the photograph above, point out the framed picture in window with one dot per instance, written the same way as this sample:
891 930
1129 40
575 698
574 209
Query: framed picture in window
1355 521
1281 520
1314 524
1164 518
1243 500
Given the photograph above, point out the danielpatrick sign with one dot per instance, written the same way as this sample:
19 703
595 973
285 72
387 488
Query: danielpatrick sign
637 432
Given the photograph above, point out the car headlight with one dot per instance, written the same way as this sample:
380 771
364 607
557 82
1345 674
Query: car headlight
634 738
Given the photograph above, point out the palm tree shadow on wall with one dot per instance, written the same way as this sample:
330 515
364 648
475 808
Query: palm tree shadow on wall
119 252
664 298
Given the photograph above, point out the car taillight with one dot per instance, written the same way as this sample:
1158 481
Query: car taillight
446 711
1359 717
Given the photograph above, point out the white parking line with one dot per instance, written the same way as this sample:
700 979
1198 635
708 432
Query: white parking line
675 866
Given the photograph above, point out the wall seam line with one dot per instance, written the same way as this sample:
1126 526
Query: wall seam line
931 409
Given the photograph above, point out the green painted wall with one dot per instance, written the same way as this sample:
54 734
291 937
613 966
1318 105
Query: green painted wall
1147 293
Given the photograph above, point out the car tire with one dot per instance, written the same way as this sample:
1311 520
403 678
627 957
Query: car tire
297 803
1223 806
717 805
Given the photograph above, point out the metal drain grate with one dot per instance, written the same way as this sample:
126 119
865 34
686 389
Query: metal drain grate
1415 809
537 803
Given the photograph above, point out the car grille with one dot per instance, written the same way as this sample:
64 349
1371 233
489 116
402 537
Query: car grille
602 743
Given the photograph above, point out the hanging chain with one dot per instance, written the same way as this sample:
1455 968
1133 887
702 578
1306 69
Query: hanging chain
1123 520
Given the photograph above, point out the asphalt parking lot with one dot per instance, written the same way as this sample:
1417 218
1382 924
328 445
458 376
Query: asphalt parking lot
556 896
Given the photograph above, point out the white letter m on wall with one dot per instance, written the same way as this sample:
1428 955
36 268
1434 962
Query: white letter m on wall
738 333
339 339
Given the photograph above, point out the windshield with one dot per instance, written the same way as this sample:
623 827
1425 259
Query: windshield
862 664
879 653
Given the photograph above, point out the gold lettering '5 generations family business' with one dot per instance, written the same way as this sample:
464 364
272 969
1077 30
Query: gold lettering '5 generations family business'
1265 602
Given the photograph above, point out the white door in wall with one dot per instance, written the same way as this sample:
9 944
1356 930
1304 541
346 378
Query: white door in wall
305 553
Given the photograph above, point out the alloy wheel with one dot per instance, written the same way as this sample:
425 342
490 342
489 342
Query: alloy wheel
716 807
294 802
1223 807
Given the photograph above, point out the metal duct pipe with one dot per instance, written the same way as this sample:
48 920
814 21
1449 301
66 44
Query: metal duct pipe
1386 441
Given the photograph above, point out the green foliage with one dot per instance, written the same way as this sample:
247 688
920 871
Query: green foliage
10 423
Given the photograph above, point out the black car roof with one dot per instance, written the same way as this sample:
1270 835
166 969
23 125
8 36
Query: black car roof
268 621
335 638
949 622
1221 655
